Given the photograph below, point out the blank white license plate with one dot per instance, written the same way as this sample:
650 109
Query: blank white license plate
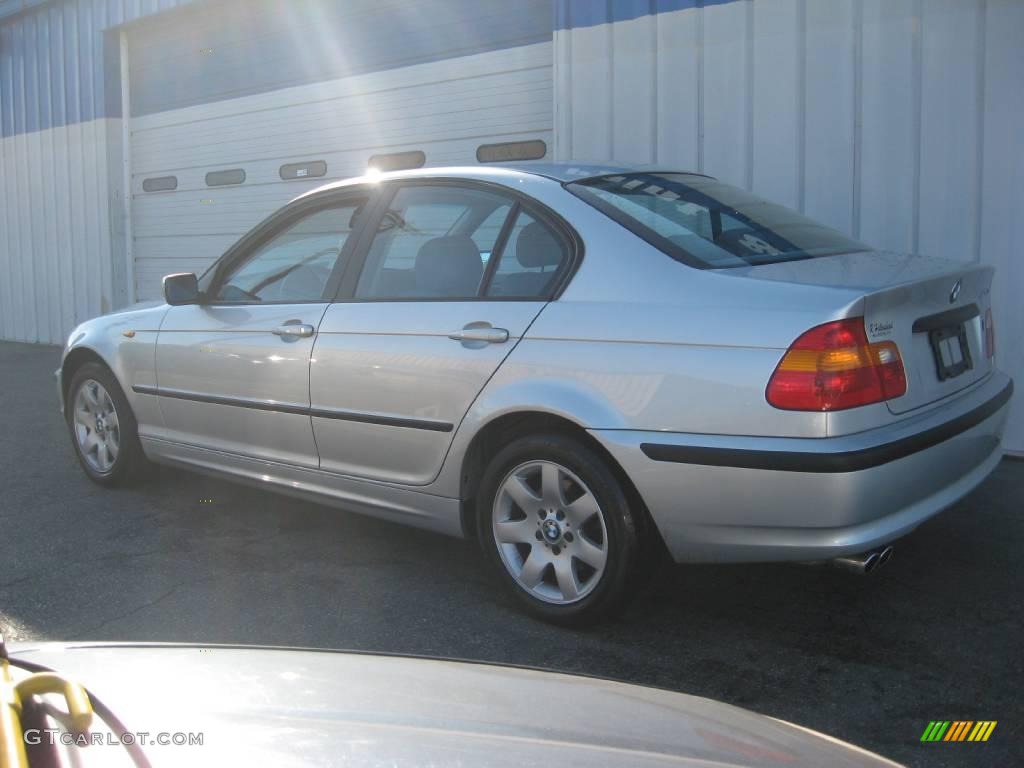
952 354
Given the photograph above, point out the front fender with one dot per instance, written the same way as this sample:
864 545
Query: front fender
126 343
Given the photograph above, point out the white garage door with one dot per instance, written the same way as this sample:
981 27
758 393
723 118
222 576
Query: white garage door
226 132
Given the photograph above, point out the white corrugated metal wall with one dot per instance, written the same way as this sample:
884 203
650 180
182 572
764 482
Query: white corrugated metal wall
897 121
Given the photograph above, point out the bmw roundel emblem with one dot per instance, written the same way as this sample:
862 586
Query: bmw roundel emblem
551 530
953 294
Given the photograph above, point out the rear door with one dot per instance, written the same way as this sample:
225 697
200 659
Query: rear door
233 371
452 276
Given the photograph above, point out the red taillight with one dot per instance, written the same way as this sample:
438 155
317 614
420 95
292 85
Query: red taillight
833 366
990 334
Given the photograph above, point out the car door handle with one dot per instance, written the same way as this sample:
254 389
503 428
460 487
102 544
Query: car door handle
486 334
299 330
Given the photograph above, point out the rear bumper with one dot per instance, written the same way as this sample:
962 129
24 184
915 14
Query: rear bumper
720 498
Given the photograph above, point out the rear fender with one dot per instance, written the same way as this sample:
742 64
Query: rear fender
502 397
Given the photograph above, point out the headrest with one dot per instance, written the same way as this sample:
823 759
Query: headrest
449 266
744 240
537 247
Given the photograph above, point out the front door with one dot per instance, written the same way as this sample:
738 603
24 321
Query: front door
233 371
452 278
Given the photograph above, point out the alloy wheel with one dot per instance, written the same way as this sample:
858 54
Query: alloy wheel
550 532
97 429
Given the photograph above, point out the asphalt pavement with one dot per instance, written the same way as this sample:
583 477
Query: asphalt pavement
938 633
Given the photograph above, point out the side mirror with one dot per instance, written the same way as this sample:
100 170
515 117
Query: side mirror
181 288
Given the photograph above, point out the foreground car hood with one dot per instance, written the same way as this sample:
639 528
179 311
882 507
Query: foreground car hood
283 707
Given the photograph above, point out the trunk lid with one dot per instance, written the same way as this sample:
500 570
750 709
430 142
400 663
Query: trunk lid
938 325
933 309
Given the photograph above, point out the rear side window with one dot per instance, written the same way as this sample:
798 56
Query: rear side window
530 261
705 223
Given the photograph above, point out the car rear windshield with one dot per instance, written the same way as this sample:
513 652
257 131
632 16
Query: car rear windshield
705 223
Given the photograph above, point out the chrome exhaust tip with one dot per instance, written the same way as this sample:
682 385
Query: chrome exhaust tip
864 563
885 556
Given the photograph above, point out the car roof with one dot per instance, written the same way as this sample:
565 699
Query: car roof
567 171
561 172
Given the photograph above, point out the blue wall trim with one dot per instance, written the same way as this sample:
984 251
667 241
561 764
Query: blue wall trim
60 60
573 14
13 7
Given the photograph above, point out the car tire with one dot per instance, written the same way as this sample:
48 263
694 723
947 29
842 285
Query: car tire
555 521
102 426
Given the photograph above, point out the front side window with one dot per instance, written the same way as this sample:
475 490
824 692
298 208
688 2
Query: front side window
706 223
295 264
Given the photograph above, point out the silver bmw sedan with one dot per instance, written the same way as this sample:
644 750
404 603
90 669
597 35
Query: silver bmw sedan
581 367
